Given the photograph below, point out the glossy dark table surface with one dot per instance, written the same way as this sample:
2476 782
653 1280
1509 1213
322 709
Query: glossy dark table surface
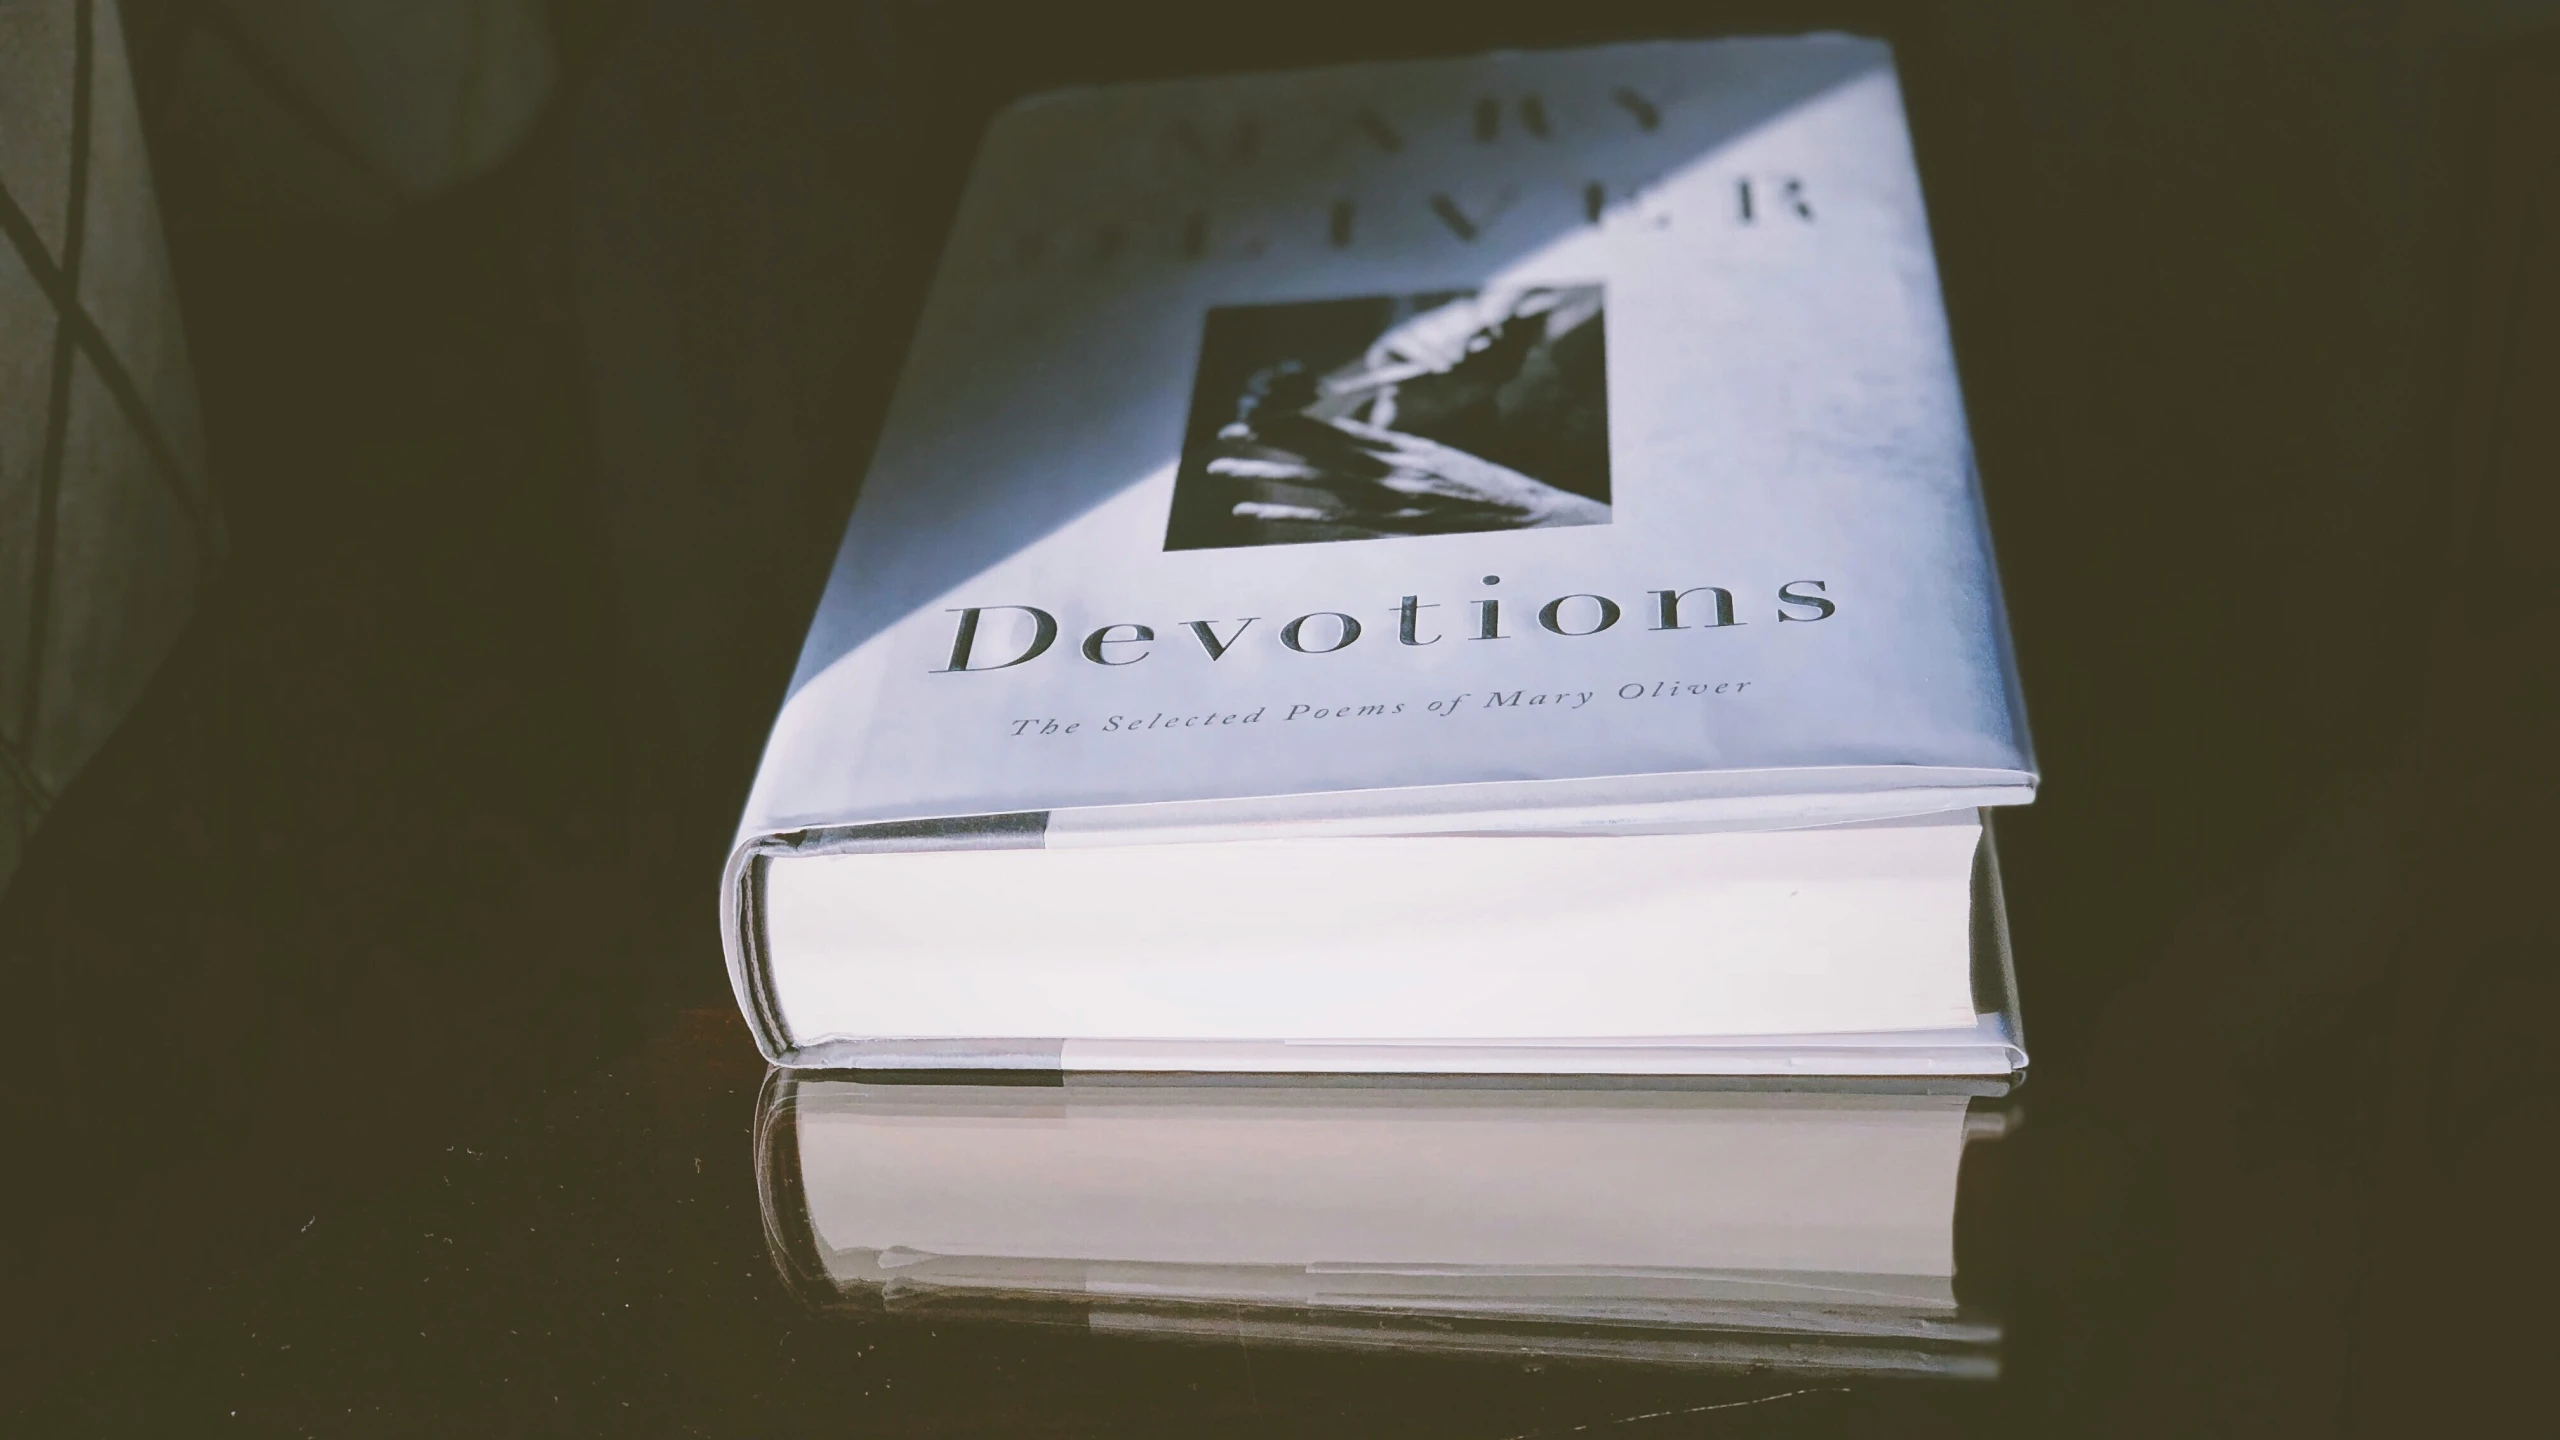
366 1065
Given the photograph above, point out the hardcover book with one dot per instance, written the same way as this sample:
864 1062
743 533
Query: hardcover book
1454 565
1810 1231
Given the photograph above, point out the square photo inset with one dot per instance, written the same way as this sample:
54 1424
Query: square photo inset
1434 414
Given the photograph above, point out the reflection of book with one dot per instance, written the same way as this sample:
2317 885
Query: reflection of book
1802 1230
1410 568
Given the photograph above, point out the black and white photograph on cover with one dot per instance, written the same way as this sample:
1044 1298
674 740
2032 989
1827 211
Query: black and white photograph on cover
1384 415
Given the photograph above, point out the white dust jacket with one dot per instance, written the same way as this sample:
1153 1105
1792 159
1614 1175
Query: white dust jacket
1789 611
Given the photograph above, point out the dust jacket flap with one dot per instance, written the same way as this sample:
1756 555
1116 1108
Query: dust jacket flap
1532 417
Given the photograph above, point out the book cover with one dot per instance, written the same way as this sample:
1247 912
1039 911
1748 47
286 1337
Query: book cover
1530 417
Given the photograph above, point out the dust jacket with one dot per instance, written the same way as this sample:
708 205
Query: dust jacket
1564 443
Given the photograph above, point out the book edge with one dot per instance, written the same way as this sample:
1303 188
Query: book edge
1767 1057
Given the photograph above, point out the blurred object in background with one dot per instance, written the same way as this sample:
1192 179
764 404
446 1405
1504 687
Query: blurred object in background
337 110
344 110
109 533
361 816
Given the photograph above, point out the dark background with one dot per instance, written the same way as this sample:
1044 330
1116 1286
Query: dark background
366 1064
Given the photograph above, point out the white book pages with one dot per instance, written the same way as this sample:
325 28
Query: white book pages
1463 938
1987 1048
